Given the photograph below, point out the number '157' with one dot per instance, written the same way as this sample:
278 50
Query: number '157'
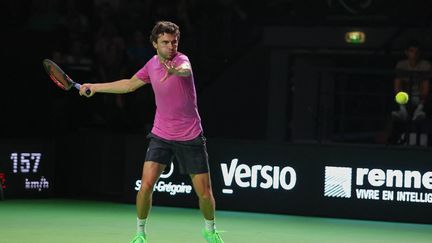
23 162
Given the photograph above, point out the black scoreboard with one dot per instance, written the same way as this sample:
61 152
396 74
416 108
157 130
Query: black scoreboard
25 168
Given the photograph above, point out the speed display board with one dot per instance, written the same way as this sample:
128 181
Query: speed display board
25 168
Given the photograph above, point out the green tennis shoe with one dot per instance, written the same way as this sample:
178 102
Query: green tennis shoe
139 238
212 237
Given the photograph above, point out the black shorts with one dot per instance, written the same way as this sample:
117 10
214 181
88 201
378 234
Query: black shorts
191 155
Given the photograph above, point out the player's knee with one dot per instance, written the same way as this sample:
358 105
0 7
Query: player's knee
205 195
146 187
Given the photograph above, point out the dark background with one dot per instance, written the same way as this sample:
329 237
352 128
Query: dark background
276 72
257 65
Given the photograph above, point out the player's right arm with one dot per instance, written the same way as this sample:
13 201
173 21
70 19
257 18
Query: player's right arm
121 86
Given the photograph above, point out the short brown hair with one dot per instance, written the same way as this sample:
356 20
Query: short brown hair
164 27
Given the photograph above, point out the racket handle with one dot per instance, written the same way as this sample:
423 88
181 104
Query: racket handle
78 87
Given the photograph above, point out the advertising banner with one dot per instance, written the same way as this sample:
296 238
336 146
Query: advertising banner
360 182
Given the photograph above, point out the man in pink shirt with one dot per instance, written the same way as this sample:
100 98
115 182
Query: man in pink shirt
177 129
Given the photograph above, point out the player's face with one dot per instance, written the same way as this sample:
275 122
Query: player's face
166 46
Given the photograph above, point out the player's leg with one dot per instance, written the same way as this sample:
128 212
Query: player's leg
192 159
151 172
202 186
158 156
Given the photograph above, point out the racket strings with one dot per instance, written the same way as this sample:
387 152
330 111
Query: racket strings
59 77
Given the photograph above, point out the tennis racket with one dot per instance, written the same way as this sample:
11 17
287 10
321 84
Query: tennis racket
60 77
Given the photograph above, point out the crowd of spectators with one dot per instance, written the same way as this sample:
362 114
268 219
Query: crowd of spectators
101 41
106 40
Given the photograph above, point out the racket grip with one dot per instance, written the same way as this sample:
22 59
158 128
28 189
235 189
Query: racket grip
78 87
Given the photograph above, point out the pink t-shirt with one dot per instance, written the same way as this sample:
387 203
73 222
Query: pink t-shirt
177 116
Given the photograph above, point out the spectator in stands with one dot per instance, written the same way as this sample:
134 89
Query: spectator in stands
78 56
411 77
110 53
75 22
138 51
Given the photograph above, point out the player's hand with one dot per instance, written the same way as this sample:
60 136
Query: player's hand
87 90
170 69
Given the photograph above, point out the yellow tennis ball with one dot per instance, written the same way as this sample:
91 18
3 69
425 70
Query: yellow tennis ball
401 98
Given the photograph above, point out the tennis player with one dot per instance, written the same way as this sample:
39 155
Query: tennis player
177 129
